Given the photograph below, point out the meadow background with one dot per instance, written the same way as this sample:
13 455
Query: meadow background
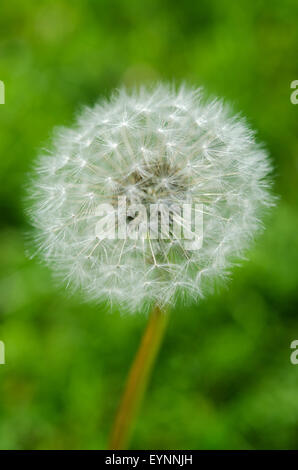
224 378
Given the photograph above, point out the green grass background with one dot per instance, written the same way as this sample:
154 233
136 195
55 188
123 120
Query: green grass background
223 378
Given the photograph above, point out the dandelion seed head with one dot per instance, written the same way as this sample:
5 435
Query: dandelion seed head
153 146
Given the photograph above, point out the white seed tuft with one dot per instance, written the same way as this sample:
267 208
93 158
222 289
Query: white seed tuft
152 146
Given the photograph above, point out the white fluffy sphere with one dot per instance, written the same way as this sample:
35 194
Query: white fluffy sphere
152 146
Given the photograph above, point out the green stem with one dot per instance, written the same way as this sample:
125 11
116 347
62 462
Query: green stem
138 379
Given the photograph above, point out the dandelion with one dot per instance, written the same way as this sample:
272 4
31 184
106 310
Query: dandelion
154 147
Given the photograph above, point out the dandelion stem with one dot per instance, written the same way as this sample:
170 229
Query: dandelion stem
138 379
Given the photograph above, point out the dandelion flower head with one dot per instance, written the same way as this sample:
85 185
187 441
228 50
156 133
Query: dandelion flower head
158 147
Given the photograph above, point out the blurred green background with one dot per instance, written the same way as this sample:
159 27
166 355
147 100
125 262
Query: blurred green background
224 378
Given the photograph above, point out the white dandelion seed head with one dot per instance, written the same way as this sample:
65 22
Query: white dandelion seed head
155 145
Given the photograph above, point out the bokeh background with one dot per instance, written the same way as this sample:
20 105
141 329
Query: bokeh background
224 378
